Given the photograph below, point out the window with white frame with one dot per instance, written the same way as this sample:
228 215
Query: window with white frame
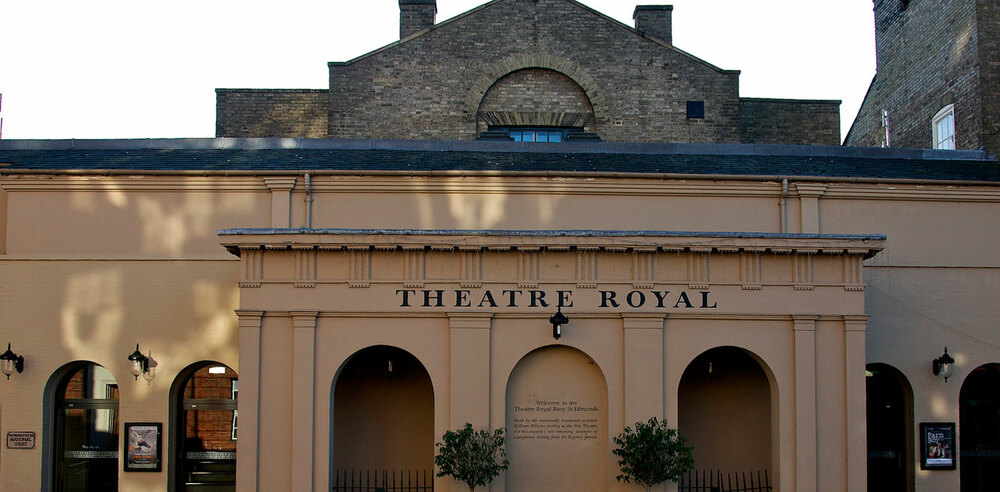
943 128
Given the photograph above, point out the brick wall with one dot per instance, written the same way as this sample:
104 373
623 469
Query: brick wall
567 61
793 122
270 113
988 28
431 86
927 58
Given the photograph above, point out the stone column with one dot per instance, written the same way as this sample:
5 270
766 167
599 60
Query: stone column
247 448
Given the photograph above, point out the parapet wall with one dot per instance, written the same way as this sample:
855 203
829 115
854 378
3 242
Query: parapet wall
271 113
789 121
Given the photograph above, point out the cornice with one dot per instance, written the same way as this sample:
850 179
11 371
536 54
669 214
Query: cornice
238 240
38 182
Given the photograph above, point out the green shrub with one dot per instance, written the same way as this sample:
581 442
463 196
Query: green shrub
472 456
651 454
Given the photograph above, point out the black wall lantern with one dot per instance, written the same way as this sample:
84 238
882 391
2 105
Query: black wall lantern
138 364
10 362
943 365
557 321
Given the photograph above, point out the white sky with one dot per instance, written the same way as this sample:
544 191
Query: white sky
137 68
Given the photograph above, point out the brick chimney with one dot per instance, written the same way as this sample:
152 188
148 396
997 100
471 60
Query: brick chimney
653 21
415 16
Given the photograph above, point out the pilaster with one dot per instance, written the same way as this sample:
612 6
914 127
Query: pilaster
281 200
809 194
805 403
249 402
854 350
643 367
470 370
303 397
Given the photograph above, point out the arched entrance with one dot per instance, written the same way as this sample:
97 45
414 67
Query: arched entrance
725 397
383 420
890 430
85 429
556 422
204 428
979 429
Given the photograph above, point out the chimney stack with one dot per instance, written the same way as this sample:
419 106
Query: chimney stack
415 16
653 21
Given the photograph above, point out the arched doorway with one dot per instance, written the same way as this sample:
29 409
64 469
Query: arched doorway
204 429
383 420
890 430
557 421
725 397
979 429
85 429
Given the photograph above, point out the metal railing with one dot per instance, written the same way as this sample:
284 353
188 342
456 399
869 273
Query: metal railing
716 481
383 481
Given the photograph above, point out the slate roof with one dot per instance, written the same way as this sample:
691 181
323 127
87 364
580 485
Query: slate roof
269 155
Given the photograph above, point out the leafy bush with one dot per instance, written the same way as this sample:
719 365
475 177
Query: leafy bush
472 456
651 454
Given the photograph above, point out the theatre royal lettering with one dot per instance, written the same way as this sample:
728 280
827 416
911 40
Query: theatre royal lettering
531 298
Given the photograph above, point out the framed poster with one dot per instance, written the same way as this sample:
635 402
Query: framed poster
937 446
142 446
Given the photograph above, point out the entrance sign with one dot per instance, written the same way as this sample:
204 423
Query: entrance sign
937 446
557 422
529 298
21 440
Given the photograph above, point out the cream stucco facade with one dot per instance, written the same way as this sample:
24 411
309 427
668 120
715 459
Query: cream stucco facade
809 278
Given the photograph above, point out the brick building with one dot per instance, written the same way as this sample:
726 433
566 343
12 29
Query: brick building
938 76
554 65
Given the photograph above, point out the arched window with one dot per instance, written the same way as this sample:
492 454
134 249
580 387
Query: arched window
85 437
205 428
943 128
536 105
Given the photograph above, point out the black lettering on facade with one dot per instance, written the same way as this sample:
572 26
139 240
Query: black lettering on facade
683 298
661 296
512 295
462 298
437 295
635 299
488 298
564 298
608 297
538 298
704 301
406 296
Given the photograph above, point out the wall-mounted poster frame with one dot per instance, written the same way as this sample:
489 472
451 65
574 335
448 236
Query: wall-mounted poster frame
937 446
143 446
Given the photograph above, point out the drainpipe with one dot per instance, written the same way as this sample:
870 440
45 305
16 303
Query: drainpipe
783 204
309 202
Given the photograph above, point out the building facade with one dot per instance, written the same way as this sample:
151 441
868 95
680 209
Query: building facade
938 76
554 64
786 307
